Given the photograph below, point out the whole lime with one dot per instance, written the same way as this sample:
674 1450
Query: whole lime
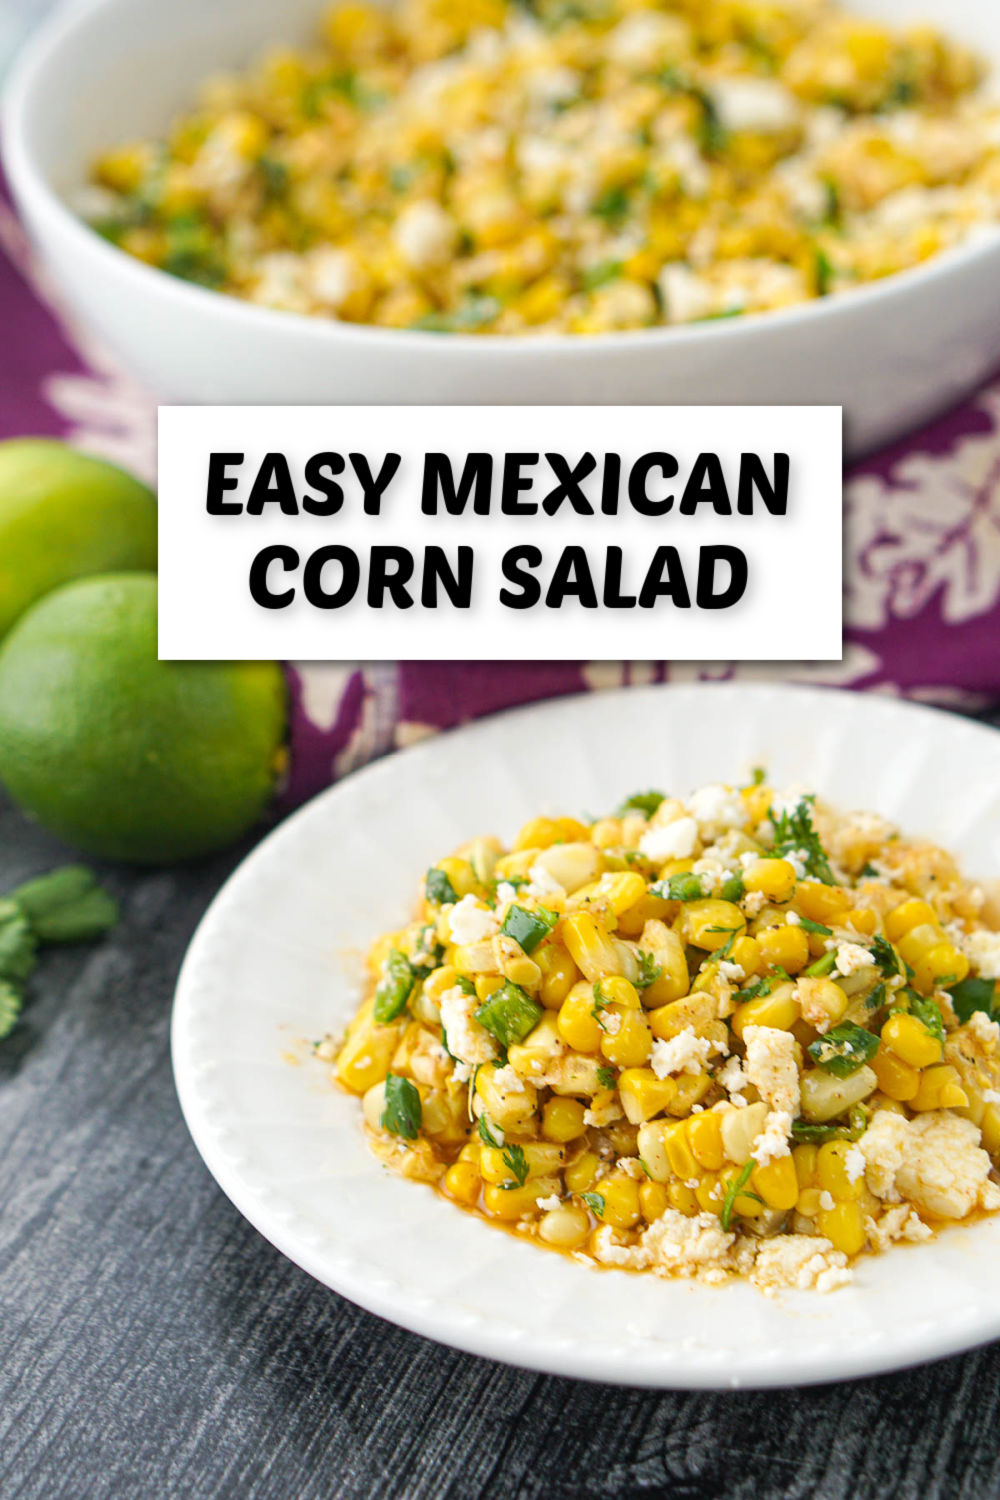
120 754
64 515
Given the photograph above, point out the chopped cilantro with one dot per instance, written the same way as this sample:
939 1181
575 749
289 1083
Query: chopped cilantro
758 776
472 313
649 970
823 271
515 1161
607 1078
465 984
486 1133
601 274
844 1049
438 888
402 1113
611 205
869 872
599 1004
17 944
733 1190
595 1202
66 906
11 1000
928 1012
885 956
794 832
970 995
809 926
684 887
644 802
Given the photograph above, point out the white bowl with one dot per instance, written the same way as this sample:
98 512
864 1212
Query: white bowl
893 353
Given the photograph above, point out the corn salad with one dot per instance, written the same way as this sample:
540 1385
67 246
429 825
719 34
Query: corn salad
738 1034
581 166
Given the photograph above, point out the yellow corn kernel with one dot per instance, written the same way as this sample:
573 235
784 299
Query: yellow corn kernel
523 971
779 1009
580 1174
590 946
621 1201
442 979
565 1227
831 1172
775 878
648 908
746 952
559 974
941 963
939 1088
810 1203
691 1090
895 1077
784 947
653 1200
472 1150
124 168
863 920
681 1197
460 873
821 1000
913 945
710 1194
777 1183
516 864
366 1055
697 1010
487 985
562 1120
643 1095
843 1226
821 903
577 1021
990 1128
709 923
667 950
621 890
630 1045
910 1039
511 1109
540 1047
618 991
904 918
462 1182
537 833
472 959
681 1158
804 1157
704 1135
513 1203
743 1206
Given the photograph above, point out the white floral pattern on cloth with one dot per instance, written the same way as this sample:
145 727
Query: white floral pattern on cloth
922 599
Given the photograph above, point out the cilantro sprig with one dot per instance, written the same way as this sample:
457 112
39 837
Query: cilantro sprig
65 906
795 833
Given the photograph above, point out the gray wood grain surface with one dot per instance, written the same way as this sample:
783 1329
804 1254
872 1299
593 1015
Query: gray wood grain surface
153 1345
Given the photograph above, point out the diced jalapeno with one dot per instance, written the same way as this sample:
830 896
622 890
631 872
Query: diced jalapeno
394 988
509 1014
679 888
528 927
438 888
402 1113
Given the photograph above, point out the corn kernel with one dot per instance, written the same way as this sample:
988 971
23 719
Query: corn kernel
784 947
559 974
821 903
804 1157
910 1039
844 1227
621 1201
562 1120
774 878
681 1197
904 918
896 1078
631 1044
643 1095
590 946
653 1200
577 1022
779 1009
580 1174
777 1183
462 1182
831 1172
565 1227
939 1088
709 923
705 1139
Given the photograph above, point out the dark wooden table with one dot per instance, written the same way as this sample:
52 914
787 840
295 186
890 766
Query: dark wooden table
153 1345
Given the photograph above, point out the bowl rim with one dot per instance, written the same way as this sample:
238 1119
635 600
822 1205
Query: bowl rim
38 200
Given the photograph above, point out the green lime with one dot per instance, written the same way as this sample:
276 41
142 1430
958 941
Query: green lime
120 754
62 516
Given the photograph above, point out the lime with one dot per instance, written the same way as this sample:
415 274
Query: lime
62 516
123 755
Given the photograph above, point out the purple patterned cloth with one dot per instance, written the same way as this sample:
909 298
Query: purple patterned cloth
922 559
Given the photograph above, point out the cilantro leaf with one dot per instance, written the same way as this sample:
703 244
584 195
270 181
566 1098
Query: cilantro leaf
684 887
844 1049
644 802
928 1012
515 1161
17 943
486 1133
607 1078
885 956
795 832
595 1202
733 1190
438 887
649 970
66 906
970 995
11 1000
402 1113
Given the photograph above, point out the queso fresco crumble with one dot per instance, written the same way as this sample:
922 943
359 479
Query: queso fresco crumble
737 1034
517 166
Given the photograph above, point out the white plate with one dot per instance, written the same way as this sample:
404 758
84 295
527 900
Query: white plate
272 964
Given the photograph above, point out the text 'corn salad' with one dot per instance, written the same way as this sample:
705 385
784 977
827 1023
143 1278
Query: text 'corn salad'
519 166
737 1034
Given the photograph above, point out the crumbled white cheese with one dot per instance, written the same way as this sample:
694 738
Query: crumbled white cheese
982 949
424 234
548 1204
646 38
469 922
687 1246
676 840
753 903
716 808
331 275
793 919
735 973
683 1053
733 1080
984 1030
686 296
754 104
466 1038
771 1066
506 893
774 1140
851 957
543 883
506 1081
934 1161
854 1164
805 1262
